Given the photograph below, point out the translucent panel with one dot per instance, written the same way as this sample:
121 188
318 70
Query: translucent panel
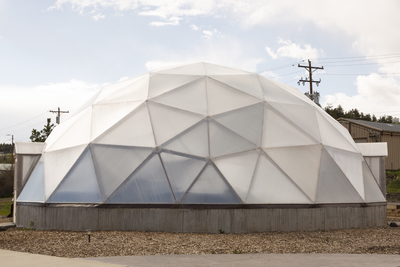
191 96
246 122
331 136
224 141
210 188
350 164
374 165
148 184
238 170
168 122
28 163
247 83
274 93
372 191
222 98
212 69
302 116
271 186
193 141
181 172
136 90
133 130
301 164
80 184
58 163
114 164
161 83
281 132
77 134
333 186
192 69
106 115
34 188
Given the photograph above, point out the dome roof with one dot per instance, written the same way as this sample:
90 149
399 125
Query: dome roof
200 134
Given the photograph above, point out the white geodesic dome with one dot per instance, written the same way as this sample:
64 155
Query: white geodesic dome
200 134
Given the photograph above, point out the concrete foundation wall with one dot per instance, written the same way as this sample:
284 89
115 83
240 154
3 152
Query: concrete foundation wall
199 220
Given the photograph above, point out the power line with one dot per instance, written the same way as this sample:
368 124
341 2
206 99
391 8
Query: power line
23 122
385 55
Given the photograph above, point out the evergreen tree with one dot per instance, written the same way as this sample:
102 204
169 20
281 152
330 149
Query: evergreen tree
41 136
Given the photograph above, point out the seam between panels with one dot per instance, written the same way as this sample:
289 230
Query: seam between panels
252 177
319 171
208 112
30 173
151 124
364 161
238 90
95 172
176 88
227 183
194 181
166 175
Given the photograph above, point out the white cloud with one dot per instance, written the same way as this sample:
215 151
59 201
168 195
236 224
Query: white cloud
293 50
210 34
270 74
174 21
194 27
123 78
98 16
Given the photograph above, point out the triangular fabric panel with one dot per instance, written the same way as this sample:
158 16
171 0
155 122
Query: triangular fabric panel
331 136
114 164
193 141
148 184
350 164
280 132
181 172
238 170
57 164
301 164
133 130
224 141
192 69
134 91
210 188
28 164
80 184
191 97
34 188
271 185
372 191
247 83
169 122
274 93
161 83
246 122
333 185
212 69
223 98
106 115
302 116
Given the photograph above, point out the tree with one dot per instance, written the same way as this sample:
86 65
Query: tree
41 136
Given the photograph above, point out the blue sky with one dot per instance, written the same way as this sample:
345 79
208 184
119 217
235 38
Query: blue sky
59 53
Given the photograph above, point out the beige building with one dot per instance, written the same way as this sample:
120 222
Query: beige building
369 132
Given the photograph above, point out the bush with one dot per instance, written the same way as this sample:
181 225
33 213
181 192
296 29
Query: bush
6 184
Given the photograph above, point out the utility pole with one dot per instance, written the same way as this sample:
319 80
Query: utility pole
310 70
58 114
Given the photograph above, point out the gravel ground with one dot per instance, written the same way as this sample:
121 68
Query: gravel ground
381 240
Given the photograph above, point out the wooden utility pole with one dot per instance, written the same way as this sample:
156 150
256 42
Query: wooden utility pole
58 114
310 70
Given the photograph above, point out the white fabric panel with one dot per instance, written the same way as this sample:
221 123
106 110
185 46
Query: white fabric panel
222 98
161 83
280 132
274 93
147 185
372 191
191 97
302 116
333 186
238 170
129 91
168 122
80 184
191 69
106 115
28 147
114 164
350 164
374 164
57 164
271 186
378 149
193 141
28 163
224 141
331 136
247 83
210 188
246 122
301 164
133 130
181 172
77 134
212 69
34 188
